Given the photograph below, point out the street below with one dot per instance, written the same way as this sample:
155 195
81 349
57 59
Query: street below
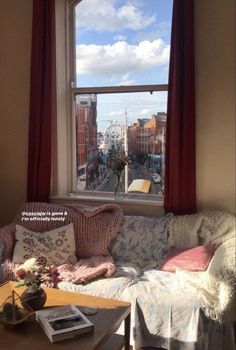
134 172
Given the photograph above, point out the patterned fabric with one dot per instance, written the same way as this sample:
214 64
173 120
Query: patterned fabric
162 312
53 247
7 234
94 227
162 307
142 240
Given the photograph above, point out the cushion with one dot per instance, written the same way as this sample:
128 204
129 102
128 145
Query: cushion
142 240
54 247
94 227
194 259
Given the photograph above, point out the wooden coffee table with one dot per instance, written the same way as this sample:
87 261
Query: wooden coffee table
110 314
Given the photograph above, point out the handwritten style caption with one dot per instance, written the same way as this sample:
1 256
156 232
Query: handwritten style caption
43 216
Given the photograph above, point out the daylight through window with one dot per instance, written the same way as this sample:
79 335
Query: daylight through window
120 98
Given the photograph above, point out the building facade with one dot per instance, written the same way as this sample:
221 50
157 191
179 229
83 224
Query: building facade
148 135
86 140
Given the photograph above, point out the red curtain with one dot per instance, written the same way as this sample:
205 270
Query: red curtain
39 148
180 177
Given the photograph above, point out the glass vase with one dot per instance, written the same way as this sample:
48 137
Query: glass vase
32 299
118 190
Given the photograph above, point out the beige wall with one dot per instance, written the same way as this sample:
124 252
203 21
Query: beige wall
15 39
215 97
215 67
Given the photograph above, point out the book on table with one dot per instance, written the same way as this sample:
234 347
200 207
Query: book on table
63 322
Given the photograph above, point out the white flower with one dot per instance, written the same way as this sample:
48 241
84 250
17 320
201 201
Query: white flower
31 265
29 278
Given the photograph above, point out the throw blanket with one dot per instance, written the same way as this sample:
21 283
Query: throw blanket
216 285
83 271
87 269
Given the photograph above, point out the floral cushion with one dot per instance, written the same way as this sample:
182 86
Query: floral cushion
142 240
53 247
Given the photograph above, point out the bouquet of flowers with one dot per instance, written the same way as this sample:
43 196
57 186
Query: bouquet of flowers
32 274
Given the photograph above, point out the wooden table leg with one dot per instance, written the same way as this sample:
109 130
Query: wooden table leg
127 332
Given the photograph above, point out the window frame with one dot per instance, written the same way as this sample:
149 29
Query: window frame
64 136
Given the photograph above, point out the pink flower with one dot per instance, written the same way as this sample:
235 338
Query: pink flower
54 272
21 273
35 272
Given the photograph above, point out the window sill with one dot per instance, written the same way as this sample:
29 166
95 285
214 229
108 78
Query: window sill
130 206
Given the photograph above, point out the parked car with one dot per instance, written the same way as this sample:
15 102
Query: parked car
156 178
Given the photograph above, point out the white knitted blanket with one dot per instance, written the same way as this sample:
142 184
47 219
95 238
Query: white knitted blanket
216 285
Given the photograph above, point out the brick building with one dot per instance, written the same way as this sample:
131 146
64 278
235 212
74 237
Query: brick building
86 139
148 135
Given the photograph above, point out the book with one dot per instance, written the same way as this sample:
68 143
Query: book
63 322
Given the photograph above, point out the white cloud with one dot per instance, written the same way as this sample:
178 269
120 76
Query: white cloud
161 30
105 15
126 81
121 57
125 76
120 37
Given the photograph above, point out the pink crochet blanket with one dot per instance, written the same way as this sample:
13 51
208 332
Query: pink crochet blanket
83 271
87 269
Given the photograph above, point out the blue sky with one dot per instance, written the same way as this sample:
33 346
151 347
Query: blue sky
123 42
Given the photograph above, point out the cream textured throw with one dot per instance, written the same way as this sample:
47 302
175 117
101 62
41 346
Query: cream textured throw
216 285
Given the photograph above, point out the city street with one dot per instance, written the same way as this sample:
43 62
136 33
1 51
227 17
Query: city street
139 172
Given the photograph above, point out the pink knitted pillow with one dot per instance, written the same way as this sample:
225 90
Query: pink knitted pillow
96 228
194 259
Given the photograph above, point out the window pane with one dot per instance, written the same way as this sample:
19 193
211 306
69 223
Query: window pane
129 125
122 42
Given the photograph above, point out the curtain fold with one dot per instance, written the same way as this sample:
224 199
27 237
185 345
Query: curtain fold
40 115
180 177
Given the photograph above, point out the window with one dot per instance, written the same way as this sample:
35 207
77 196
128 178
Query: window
119 92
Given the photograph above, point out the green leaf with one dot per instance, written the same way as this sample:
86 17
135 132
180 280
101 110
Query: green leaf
19 284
